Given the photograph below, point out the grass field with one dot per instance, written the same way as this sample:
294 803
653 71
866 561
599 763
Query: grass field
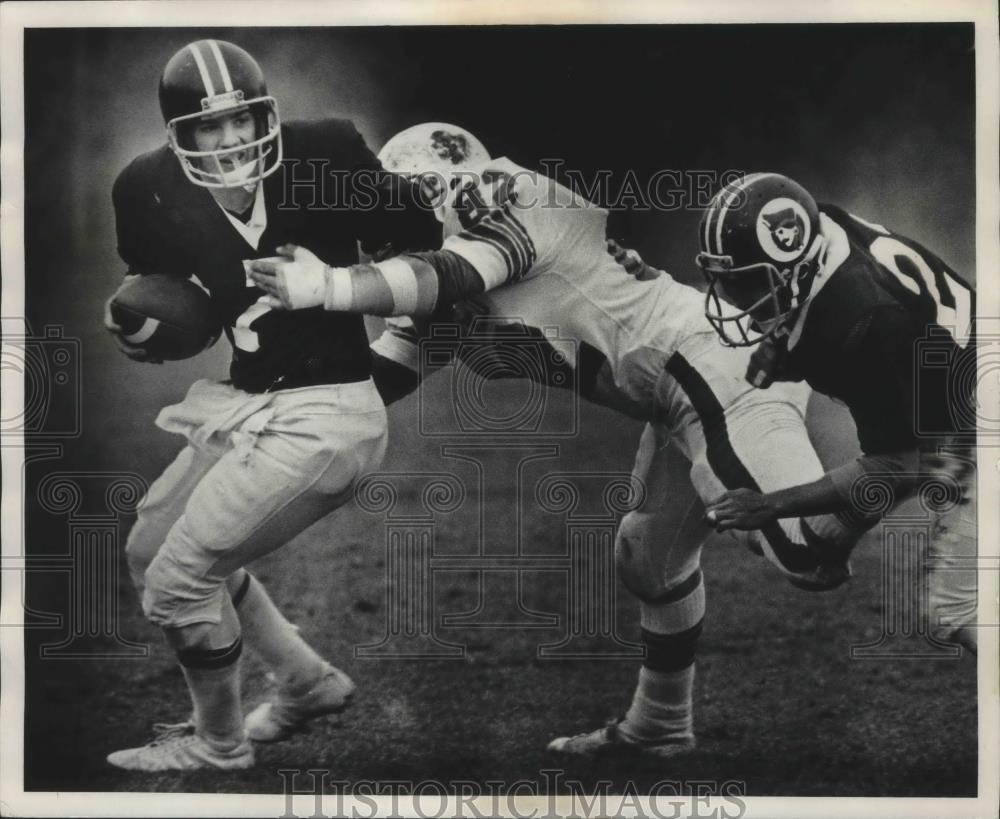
780 705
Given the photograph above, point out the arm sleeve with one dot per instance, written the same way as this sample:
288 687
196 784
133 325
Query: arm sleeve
419 284
498 245
541 226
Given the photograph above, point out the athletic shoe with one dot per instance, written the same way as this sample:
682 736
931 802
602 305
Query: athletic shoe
177 747
285 715
609 740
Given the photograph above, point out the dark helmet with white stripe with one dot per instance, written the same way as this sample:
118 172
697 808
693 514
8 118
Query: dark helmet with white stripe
760 241
211 79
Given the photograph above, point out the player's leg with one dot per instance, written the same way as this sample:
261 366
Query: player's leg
658 552
293 477
951 569
306 685
738 437
661 712
161 507
247 505
291 661
770 446
265 630
744 438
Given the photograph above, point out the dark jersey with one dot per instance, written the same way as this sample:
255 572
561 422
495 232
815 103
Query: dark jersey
330 193
890 335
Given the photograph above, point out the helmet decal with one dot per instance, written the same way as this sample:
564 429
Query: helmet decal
453 147
783 229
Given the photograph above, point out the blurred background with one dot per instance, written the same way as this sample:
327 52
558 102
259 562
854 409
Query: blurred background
876 118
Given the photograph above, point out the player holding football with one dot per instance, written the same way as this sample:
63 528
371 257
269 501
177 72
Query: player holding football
532 249
852 308
282 443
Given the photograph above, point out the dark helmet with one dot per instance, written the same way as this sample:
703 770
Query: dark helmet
212 78
759 243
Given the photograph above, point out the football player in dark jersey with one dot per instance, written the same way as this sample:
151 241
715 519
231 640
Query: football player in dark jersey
282 443
873 320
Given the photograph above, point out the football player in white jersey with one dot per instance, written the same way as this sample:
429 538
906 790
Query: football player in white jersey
524 246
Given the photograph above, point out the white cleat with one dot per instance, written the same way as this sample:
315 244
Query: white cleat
285 715
609 741
178 748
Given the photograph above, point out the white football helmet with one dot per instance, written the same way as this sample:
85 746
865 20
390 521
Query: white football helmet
438 153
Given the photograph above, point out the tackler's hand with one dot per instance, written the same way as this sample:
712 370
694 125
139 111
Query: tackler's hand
767 363
740 509
293 280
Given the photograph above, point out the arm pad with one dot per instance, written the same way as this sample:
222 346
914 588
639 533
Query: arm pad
410 285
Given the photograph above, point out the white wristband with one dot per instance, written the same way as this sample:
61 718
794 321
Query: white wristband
303 283
338 290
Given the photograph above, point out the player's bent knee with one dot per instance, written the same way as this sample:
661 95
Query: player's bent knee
139 553
193 637
173 598
645 588
632 557
655 586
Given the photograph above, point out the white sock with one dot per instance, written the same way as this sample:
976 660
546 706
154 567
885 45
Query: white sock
294 663
213 678
661 707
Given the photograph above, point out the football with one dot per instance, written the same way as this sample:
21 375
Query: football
169 317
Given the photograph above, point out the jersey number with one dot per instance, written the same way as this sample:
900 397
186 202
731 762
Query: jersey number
469 203
955 318
245 339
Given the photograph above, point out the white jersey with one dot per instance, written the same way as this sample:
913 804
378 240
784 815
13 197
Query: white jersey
540 249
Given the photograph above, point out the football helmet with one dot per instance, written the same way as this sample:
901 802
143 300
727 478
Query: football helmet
760 240
438 154
212 78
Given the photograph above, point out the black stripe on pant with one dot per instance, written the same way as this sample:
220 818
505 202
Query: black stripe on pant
726 463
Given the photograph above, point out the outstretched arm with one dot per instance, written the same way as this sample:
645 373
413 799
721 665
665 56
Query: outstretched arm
412 284
748 510
844 489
